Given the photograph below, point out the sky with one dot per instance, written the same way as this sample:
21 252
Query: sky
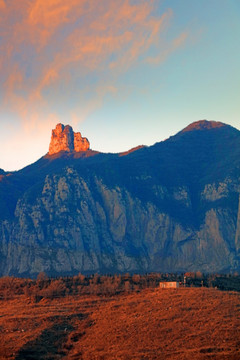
123 72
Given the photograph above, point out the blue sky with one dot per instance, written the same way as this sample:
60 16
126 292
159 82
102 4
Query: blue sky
122 73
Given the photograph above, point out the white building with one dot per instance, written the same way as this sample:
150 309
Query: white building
169 284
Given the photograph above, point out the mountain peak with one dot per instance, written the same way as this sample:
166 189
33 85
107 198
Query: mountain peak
65 139
203 125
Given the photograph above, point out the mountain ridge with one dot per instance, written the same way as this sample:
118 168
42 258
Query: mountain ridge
172 206
203 125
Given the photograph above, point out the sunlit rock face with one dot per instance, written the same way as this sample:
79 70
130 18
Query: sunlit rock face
80 143
65 139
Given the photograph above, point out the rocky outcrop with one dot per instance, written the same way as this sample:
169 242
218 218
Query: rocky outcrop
65 139
203 125
220 190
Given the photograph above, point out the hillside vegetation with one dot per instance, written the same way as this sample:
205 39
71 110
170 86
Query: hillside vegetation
128 323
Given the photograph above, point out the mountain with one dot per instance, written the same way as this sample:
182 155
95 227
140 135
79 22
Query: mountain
173 206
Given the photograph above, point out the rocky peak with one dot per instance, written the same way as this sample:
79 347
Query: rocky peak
65 139
203 125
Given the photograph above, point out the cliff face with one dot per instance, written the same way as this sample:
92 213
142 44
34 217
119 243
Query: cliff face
146 211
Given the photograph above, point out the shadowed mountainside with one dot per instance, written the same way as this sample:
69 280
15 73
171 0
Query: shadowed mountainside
173 206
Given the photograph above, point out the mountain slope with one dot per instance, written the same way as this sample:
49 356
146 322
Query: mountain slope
172 206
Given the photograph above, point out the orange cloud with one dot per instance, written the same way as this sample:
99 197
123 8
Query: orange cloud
49 13
2 4
14 80
45 17
54 45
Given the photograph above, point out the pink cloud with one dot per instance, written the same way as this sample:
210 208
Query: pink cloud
50 44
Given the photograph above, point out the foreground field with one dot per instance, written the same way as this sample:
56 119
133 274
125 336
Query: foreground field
191 323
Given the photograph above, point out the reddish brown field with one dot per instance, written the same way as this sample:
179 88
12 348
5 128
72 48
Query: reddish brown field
194 323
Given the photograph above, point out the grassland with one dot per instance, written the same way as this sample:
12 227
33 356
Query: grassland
176 324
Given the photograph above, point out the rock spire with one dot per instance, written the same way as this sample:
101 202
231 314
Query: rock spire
65 139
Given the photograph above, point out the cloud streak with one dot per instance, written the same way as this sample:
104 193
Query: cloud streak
74 51
168 50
